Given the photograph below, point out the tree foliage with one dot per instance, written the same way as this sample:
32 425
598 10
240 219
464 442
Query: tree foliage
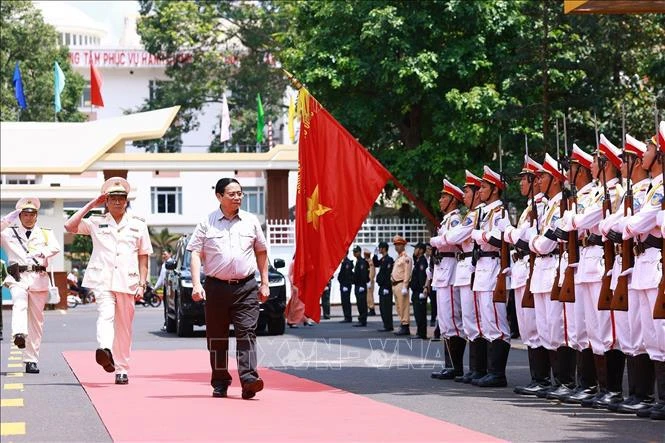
27 39
225 44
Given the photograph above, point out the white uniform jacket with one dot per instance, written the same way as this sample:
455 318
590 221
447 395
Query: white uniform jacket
41 246
444 272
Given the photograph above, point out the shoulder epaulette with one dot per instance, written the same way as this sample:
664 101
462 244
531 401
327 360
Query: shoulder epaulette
138 218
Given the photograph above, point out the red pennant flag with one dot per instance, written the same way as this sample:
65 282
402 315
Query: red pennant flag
338 182
96 87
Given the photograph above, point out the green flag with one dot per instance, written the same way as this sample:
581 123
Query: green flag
260 119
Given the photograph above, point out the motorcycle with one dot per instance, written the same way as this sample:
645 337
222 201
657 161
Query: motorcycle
149 298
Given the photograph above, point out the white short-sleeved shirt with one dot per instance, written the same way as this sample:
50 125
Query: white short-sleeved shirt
114 264
228 246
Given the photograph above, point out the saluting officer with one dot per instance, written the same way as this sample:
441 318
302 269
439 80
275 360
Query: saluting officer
494 316
28 247
401 278
385 287
600 326
449 309
647 273
639 366
539 363
117 271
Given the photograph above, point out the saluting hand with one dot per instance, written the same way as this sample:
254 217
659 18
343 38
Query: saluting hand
198 293
100 200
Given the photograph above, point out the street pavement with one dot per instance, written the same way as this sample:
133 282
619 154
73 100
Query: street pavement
359 360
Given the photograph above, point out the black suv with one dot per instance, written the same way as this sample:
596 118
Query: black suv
181 313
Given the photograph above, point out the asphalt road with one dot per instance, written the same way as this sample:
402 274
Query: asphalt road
359 360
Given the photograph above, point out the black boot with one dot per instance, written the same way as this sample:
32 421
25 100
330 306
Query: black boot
403 330
616 362
642 376
658 410
498 358
539 368
473 351
454 352
564 374
481 360
600 364
587 385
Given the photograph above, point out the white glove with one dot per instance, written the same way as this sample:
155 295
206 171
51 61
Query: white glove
422 296
405 291
345 289
567 223
12 216
503 223
477 235
386 292
361 289
660 219
369 285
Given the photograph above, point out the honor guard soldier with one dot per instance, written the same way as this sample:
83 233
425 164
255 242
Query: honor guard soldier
460 236
549 312
117 271
385 265
345 279
494 316
609 360
28 247
417 286
520 273
647 272
449 309
361 282
639 366
400 279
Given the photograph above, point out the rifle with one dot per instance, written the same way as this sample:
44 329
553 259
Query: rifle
620 297
567 292
659 306
527 299
554 294
500 291
605 299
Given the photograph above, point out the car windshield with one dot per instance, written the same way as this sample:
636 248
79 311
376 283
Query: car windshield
185 260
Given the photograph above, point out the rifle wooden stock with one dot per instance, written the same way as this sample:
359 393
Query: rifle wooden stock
567 292
527 299
556 290
659 306
500 291
620 297
605 299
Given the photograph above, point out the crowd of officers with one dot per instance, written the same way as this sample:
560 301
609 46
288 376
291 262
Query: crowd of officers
578 348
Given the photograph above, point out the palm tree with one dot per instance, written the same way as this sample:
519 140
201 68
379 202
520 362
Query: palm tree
162 240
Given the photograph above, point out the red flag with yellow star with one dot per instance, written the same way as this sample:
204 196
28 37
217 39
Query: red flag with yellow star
338 182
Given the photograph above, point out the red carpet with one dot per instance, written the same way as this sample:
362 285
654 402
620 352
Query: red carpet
168 398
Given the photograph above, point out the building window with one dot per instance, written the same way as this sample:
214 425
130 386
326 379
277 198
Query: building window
166 200
19 179
253 200
86 96
68 37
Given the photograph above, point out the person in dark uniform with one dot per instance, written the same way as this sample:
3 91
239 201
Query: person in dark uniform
325 300
345 279
361 282
385 265
431 292
417 286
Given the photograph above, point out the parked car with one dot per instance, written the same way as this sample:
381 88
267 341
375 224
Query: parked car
181 313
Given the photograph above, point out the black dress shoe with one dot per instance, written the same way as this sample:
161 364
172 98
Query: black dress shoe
646 413
31 367
543 393
639 405
104 359
121 379
250 389
658 413
492 381
19 341
466 378
560 392
220 391
326 317
403 331
476 380
580 394
475 376
531 389
360 325
371 313
588 403
610 397
631 400
447 374
346 320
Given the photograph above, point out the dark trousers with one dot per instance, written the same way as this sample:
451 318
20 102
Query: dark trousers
325 303
226 305
432 301
361 304
420 314
386 307
346 301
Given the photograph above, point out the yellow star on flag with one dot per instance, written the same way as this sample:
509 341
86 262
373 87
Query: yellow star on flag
315 209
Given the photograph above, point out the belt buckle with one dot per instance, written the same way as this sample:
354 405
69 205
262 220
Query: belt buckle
234 282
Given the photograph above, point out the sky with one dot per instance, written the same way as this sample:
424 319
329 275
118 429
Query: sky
110 13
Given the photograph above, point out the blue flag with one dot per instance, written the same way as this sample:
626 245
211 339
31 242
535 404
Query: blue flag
59 85
18 88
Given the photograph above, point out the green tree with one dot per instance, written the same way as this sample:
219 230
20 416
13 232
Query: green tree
27 39
162 240
222 46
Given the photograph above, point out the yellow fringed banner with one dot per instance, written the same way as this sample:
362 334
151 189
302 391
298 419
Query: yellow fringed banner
302 109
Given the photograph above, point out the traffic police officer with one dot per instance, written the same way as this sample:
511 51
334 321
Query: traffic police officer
117 271
28 247
401 278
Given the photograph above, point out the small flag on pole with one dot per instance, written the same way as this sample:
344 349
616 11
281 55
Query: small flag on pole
292 117
18 88
225 129
96 87
58 85
260 123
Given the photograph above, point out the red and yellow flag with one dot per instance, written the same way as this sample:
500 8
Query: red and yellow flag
338 182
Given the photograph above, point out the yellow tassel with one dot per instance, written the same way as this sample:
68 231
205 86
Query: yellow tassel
303 110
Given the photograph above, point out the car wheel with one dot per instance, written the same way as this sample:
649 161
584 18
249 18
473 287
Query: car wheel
183 327
168 321
276 326
155 301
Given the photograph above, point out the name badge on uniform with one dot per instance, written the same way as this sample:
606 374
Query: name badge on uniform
134 229
103 226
